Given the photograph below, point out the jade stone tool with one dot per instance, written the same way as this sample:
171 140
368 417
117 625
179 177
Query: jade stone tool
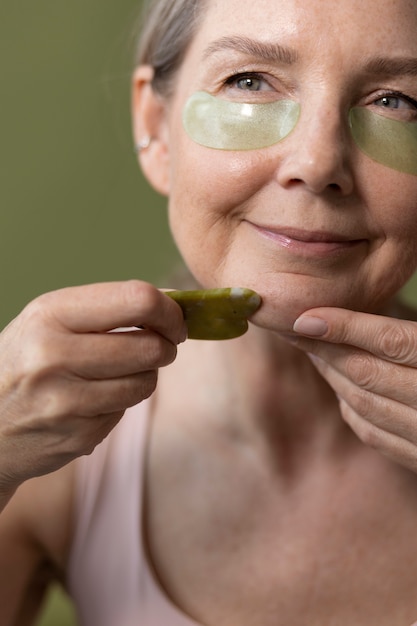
216 313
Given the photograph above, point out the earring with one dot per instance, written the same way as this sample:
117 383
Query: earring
144 143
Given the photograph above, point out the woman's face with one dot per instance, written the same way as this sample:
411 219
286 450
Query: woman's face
310 221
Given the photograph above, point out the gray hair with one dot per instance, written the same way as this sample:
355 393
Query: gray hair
168 27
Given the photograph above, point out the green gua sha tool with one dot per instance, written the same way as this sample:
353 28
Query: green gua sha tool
216 313
226 125
390 142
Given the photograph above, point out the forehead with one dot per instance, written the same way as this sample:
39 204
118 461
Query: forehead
382 25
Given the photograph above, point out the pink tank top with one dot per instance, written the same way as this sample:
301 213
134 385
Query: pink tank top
109 577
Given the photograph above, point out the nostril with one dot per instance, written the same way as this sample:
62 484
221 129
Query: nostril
317 169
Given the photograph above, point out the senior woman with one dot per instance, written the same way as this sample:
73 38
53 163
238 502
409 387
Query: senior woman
269 479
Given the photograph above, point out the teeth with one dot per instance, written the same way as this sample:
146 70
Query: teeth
216 313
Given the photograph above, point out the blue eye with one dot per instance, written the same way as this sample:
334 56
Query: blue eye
250 83
396 101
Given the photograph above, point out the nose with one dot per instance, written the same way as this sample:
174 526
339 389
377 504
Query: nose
316 154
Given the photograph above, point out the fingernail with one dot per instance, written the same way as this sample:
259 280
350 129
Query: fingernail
310 326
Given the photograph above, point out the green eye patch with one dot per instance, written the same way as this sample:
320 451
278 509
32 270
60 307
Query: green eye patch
390 142
226 125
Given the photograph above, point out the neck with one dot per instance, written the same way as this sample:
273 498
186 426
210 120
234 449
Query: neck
257 389
280 396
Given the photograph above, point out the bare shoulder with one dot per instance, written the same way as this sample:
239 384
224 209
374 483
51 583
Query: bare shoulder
35 535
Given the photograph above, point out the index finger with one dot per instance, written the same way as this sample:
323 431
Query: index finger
106 306
386 337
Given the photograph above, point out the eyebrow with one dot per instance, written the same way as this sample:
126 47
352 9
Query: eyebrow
271 52
277 53
401 66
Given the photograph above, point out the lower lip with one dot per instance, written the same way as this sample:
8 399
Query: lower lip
308 247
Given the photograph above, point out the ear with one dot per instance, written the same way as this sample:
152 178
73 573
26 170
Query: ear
150 122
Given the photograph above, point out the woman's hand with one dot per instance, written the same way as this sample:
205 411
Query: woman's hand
371 363
65 380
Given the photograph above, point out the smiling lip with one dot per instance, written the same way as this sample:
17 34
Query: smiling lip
308 242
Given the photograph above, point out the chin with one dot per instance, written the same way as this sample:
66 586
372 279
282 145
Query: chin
280 308
285 296
279 316
283 304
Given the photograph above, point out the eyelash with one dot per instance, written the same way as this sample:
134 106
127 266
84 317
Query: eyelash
240 75
398 94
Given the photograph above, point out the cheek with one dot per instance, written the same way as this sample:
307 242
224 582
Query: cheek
209 187
392 210
393 207
210 193
217 175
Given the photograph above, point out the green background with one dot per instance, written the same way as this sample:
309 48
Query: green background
74 206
